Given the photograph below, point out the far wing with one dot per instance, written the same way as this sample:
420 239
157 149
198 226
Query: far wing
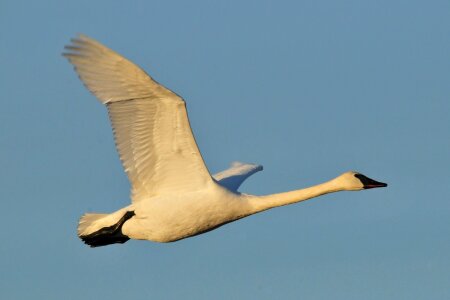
150 123
233 177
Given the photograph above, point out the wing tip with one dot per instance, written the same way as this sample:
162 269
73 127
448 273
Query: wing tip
256 167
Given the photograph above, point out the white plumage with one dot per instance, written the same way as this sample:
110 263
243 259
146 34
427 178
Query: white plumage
233 177
173 195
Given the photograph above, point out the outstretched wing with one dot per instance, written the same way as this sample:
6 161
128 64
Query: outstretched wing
150 123
233 177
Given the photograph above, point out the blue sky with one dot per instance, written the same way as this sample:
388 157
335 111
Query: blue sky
309 89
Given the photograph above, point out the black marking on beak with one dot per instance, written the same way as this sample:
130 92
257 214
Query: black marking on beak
369 183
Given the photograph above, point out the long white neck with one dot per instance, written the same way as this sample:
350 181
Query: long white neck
261 203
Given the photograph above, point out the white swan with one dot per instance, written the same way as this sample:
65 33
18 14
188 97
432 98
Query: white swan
173 195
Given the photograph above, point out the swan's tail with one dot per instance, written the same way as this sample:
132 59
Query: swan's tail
103 229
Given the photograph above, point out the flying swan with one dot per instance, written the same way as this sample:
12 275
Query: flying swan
173 196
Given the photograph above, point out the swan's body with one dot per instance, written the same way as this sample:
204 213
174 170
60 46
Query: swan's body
173 195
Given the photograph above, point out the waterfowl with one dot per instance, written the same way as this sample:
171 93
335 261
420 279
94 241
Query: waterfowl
173 195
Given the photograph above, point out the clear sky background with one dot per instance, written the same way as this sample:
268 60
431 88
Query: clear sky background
309 89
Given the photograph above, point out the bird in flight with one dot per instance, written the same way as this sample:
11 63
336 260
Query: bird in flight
173 195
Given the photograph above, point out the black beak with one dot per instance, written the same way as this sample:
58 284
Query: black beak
370 183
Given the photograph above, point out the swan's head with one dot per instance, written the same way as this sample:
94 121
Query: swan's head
354 181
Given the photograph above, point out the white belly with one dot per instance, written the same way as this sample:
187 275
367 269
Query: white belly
174 217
